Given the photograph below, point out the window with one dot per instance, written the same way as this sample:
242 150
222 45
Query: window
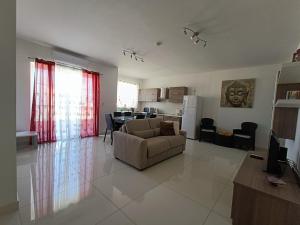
75 102
127 95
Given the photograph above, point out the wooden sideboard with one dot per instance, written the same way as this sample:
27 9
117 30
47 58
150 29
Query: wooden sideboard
256 202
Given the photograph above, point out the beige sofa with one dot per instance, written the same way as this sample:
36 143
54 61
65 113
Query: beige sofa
139 143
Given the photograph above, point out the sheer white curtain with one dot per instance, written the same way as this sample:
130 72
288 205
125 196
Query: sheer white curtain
68 86
127 95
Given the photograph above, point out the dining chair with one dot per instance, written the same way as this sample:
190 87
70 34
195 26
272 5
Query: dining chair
110 126
140 116
127 113
117 114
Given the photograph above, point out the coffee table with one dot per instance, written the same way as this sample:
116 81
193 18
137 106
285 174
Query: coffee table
224 138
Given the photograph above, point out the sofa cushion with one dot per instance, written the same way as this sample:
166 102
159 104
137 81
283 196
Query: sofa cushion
137 125
166 129
242 136
154 122
175 141
144 133
156 132
157 145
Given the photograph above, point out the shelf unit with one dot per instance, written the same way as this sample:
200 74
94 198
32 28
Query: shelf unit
288 103
285 114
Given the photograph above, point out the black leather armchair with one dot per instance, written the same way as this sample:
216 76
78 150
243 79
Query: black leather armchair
207 130
245 138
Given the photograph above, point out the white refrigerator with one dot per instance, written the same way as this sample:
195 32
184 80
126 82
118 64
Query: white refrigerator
192 114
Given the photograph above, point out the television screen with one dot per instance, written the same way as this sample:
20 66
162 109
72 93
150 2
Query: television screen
273 166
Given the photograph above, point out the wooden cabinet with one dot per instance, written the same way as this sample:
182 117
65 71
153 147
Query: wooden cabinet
256 202
176 94
149 95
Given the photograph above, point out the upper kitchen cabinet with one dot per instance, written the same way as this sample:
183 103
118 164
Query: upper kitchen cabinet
176 94
149 95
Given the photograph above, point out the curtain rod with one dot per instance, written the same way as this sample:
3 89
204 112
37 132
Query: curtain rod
67 65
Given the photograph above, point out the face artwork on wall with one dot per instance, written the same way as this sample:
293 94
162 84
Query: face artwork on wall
238 93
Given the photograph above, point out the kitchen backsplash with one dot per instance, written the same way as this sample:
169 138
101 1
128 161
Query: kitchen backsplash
163 107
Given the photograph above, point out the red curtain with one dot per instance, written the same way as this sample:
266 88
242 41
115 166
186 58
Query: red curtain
43 101
90 104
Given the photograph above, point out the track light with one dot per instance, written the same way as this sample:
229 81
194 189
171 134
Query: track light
133 55
194 36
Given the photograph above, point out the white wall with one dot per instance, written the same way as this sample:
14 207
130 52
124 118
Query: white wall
8 190
131 80
27 49
208 85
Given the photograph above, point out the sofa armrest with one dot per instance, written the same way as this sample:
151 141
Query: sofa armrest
130 149
183 133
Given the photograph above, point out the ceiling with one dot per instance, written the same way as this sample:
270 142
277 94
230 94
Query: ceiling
240 33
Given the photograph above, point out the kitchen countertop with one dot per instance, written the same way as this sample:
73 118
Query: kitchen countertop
166 114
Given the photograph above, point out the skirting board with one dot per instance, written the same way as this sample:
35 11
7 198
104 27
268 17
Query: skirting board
9 208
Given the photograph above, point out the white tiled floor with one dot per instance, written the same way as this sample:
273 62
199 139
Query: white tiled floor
79 182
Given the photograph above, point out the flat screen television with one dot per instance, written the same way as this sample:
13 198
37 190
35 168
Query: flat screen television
273 166
278 159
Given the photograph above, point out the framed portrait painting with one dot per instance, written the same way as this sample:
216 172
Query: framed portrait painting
238 93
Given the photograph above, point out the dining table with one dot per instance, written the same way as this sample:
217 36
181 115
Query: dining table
122 119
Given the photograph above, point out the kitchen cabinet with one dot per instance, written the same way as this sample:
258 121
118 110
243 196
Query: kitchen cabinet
176 94
149 95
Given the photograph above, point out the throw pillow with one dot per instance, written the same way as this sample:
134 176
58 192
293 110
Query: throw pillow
166 129
176 126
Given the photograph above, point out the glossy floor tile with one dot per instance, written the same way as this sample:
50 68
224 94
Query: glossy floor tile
215 219
164 206
80 182
117 218
223 204
123 186
77 206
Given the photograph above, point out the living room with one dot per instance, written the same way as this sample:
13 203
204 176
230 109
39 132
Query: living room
150 112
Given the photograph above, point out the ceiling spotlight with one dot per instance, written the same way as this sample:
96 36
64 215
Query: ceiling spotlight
194 36
133 54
